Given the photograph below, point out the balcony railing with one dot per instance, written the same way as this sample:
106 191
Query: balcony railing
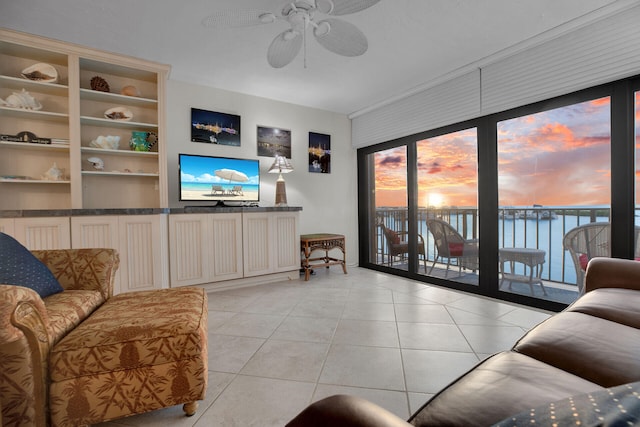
538 228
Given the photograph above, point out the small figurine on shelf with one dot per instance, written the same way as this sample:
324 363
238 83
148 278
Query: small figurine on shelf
138 141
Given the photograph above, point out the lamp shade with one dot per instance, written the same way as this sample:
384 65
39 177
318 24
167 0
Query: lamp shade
281 165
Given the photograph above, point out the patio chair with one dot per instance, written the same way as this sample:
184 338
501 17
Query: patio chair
217 189
450 245
585 242
398 245
236 190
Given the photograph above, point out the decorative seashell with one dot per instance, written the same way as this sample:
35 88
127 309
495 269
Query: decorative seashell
110 142
130 91
22 99
53 174
99 84
41 72
119 113
97 163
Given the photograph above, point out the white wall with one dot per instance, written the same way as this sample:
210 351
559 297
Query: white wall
328 201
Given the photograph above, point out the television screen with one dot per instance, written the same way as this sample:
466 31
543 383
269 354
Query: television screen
208 178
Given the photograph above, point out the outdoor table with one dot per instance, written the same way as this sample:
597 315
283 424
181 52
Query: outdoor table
323 242
531 258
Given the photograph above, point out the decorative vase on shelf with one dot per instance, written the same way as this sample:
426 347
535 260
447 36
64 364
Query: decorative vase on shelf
138 141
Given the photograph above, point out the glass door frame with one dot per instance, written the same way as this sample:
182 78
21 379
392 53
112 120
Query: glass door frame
623 183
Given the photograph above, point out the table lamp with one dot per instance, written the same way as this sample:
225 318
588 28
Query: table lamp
281 165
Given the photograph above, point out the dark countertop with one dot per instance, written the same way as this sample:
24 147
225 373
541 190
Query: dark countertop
140 211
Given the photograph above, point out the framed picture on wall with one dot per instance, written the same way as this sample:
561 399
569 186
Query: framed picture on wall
319 153
272 141
212 127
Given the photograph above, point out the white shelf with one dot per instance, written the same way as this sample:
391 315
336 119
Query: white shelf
35 86
116 98
33 181
34 115
99 121
119 152
126 174
33 146
75 112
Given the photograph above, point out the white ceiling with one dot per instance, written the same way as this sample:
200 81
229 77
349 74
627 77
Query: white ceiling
412 43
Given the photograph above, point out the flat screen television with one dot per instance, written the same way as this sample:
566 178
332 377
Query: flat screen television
219 179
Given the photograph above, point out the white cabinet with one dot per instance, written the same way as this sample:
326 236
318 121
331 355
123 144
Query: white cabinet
72 115
216 247
39 232
271 242
140 241
205 248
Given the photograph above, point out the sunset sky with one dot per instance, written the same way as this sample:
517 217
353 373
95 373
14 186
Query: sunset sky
558 157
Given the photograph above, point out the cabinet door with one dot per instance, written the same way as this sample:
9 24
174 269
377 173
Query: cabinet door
226 245
43 233
287 241
257 244
189 252
97 232
143 249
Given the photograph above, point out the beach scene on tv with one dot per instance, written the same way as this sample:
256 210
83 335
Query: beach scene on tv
217 178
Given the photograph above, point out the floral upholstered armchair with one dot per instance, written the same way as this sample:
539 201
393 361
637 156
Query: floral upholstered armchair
30 324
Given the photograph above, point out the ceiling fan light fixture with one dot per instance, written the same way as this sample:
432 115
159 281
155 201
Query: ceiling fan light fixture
267 18
289 35
322 29
325 6
335 35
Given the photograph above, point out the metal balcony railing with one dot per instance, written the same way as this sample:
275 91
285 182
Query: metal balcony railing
537 227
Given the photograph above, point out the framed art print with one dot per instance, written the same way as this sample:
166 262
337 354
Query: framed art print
272 141
215 128
319 152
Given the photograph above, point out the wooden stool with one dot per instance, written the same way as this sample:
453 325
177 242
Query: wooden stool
323 242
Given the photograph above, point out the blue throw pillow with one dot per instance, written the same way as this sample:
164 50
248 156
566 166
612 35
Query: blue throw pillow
18 266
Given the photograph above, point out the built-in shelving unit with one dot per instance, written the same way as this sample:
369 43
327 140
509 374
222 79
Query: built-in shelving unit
74 112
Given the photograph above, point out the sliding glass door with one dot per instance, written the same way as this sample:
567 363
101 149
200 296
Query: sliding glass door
388 208
447 223
554 181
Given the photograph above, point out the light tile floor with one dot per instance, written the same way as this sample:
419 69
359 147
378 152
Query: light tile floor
273 349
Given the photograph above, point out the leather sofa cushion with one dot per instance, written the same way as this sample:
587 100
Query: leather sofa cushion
68 309
502 385
596 349
134 330
618 305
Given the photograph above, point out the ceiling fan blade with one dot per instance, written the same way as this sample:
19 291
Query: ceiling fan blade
238 18
343 7
284 48
341 37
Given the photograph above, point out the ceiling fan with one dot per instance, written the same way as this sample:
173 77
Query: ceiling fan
336 35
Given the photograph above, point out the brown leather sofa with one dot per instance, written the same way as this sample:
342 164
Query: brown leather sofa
591 345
